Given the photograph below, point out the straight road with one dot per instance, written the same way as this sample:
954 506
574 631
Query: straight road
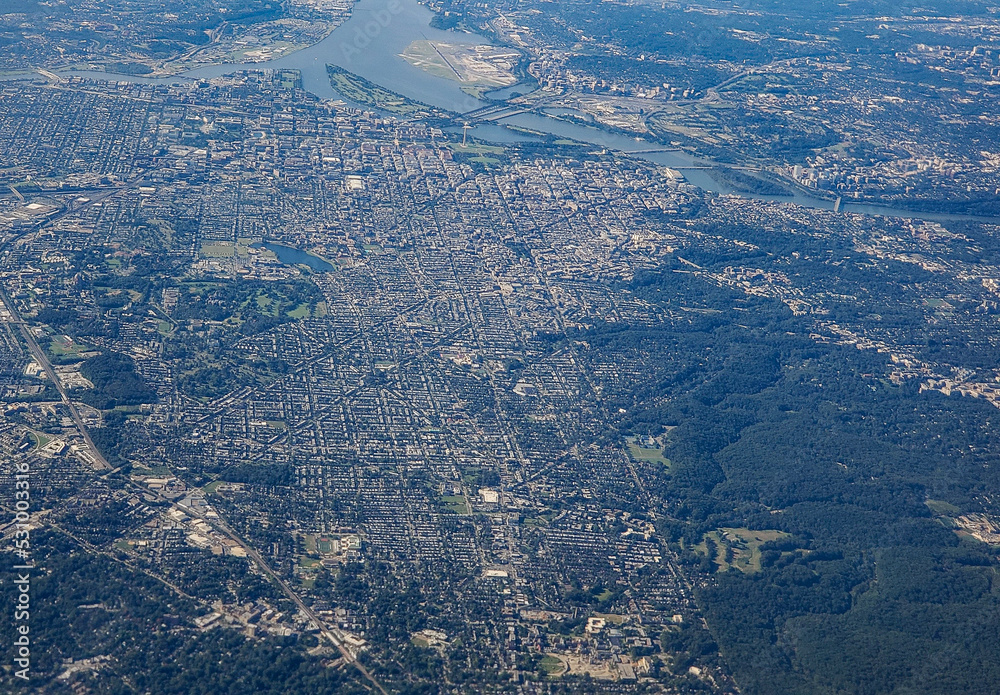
96 457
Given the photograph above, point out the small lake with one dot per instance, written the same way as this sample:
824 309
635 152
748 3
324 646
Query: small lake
290 255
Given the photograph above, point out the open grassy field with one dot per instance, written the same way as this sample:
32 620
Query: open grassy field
64 346
737 548
643 453
39 439
746 546
309 541
476 148
457 503
940 507
361 91
300 312
553 665
213 486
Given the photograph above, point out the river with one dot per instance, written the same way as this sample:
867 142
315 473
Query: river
369 44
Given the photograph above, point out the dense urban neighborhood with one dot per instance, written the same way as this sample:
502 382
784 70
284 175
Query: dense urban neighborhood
353 394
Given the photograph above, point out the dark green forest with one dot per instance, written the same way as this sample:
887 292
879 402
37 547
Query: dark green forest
765 428
115 382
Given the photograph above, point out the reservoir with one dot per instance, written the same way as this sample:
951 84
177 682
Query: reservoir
293 256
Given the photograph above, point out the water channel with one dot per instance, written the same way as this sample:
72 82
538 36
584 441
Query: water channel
370 43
